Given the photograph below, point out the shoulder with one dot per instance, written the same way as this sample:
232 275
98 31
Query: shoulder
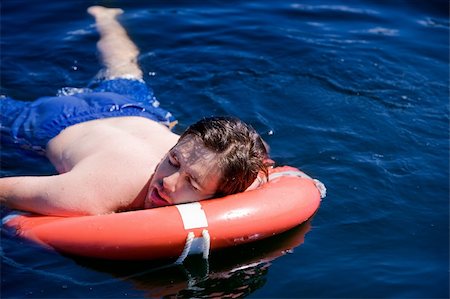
98 185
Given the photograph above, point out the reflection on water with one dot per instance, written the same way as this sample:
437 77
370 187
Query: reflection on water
235 272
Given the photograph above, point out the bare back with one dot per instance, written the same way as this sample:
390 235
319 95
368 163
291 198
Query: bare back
129 138
115 156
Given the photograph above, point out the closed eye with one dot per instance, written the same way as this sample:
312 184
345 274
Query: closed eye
173 161
193 184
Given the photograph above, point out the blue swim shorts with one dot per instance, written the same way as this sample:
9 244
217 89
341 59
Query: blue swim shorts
33 124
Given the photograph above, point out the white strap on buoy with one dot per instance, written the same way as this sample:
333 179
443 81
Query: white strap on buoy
319 185
192 215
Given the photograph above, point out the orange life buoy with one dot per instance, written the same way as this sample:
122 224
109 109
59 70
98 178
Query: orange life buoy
288 199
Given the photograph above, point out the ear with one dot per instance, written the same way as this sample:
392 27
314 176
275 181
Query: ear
268 162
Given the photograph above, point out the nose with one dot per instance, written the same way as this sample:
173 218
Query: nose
170 181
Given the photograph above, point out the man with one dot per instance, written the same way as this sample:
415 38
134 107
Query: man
113 148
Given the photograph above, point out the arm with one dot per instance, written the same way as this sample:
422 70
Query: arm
84 190
31 194
96 185
50 195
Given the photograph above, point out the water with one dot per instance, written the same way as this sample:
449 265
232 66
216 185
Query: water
353 92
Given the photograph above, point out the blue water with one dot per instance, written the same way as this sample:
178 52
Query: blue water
353 92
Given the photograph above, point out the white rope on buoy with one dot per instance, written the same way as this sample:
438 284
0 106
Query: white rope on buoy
202 245
187 248
319 185
11 215
206 243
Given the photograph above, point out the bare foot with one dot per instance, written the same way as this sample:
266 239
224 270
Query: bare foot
104 12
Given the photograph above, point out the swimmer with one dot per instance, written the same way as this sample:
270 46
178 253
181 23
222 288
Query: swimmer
113 147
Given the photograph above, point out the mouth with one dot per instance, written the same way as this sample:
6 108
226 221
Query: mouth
156 200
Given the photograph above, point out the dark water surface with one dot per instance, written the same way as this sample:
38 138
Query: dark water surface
353 92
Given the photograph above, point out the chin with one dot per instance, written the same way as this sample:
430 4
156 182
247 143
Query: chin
148 204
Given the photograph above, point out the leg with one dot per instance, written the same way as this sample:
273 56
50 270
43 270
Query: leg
118 52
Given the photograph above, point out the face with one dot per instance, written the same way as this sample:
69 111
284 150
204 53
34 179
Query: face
188 173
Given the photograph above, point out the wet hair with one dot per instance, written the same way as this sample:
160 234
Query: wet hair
242 154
